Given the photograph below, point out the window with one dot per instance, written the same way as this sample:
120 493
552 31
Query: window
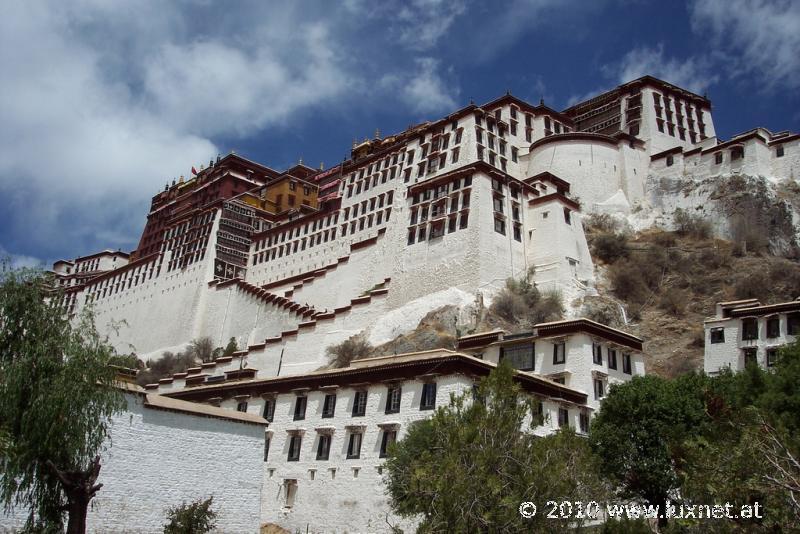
599 389
513 153
717 335
393 399
772 357
300 408
793 324
563 417
389 437
329 405
464 221
411 235
500 226
521 356
451 225
779 151
612 359
290 491
626 364
242 407
718 158
360 404
497 203
597 353
267 439
354 447
749 328
567 216
584 422
559 355
750 356
518 232
737 153
455 152
670 161
428 400
294 448
324 447
773 326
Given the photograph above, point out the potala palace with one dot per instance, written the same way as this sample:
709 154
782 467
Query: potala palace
291 262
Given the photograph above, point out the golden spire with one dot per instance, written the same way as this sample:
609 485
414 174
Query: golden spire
301 161
181 179
322 165
377 133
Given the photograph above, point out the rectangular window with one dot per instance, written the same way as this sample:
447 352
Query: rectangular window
300 407
324 447
717 335
599 389
329 405
750 356
559 353
290 487
518 233
597 353
269 409
749 328
514 154
463 220
718 158
773 327
563 417
411 235
451 225
389 437
360 404
779 151
266 447
428 400
497 203
793 324
393 399
626 364
500 226
521 356
242 407
354 447
772 357
584 422
294 448
567 216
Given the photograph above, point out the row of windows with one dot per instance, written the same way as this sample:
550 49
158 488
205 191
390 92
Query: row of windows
522 356
437 228
749 328
324 440
310 227
393 401
750 355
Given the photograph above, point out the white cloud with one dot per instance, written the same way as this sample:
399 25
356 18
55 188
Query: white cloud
422 23
17 261
755 37
425 89
693 73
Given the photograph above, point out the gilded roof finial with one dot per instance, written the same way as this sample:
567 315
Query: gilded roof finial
301 161
377 133
322 165
181 179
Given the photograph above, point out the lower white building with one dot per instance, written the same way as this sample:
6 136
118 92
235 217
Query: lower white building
164 452
745 331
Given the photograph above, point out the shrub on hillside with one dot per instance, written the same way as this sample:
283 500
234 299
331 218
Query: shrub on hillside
193 518
354 348
169 364
601 222
689 224
673 301
610 247
521 301
629 282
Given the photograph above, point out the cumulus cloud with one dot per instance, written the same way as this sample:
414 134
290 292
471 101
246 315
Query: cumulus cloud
755 36
693 73
423 22
424 89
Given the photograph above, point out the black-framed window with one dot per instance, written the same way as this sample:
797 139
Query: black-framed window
584 422
354 446
294 448
749 328
597 353
359 404
329 405
389 437
612 359
750 356
563 417
300 407
324 447
428 400
717 335
599 388
559 353
393 396
772 357
267 440
793 324
626 364
241 406
521 356
773 326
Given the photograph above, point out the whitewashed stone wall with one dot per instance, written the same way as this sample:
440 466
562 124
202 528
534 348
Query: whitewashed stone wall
159 459
730 353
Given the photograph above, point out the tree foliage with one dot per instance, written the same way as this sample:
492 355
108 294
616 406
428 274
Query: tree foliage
520 301
192 518
470 466
56 397
353 348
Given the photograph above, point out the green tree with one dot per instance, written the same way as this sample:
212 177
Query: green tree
194 518
640 429
470 466
231 347
56 397
201 349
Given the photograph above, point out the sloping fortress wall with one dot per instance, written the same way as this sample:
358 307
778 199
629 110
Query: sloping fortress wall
486 193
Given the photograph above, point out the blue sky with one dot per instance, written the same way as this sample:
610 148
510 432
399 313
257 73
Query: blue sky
104 102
